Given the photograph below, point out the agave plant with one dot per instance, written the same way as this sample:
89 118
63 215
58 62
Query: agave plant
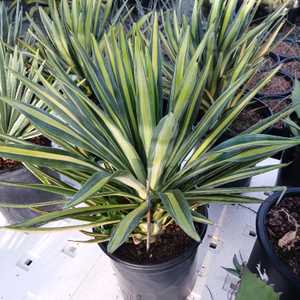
139 161
236 45
12 122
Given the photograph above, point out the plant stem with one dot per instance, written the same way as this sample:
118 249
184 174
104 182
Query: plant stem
148 218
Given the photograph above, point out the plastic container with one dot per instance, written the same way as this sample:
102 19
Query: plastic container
290 175
171 280
22 196
283 279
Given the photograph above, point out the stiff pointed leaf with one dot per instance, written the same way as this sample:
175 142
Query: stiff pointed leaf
92 186
296 96
45 156
126 226
161 147
179 209
73 213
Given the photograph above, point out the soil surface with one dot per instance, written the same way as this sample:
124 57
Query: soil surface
277 105
277 85
292 68
287 49
9 164
171 244
283 225
247 118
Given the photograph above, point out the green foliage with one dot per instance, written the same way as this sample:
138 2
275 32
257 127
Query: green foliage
234 47
12 122
11 24
80 19
134 144
250 284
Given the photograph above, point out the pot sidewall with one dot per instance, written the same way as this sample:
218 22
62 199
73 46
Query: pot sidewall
23 196
279 274
171 280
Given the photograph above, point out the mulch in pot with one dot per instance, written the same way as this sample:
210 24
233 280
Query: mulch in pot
11 165
278 84
171 244
283 225
292 68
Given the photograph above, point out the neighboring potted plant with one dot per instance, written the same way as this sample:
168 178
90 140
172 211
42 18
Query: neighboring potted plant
238 46
249 282
277 245
145 171
289 175
64 19
11 24
15 127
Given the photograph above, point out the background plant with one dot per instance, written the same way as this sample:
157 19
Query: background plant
235 46
11 24
12 122
136 154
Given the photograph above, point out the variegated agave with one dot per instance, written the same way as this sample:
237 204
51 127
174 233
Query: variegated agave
133 147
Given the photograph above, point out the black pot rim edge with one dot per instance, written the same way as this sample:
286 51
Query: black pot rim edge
164 265
263 239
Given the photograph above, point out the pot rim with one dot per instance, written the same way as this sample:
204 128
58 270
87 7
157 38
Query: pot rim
263 238
164 265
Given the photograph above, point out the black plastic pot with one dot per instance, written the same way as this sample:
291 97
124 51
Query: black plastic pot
290 175
22 196
283 279
293 14
171 280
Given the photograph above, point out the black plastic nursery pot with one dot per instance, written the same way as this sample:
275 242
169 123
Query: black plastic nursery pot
263 254
22 196
290 175
170 280
293 15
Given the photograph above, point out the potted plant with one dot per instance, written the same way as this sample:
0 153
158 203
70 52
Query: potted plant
145 172
289 175
238 46
277 245
249 282
11 24
64 19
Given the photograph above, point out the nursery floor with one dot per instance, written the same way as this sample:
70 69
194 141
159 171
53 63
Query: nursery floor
49 267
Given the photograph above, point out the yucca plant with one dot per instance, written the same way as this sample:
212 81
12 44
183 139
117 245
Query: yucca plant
139 161
66 19
235 46
12 122
11 24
